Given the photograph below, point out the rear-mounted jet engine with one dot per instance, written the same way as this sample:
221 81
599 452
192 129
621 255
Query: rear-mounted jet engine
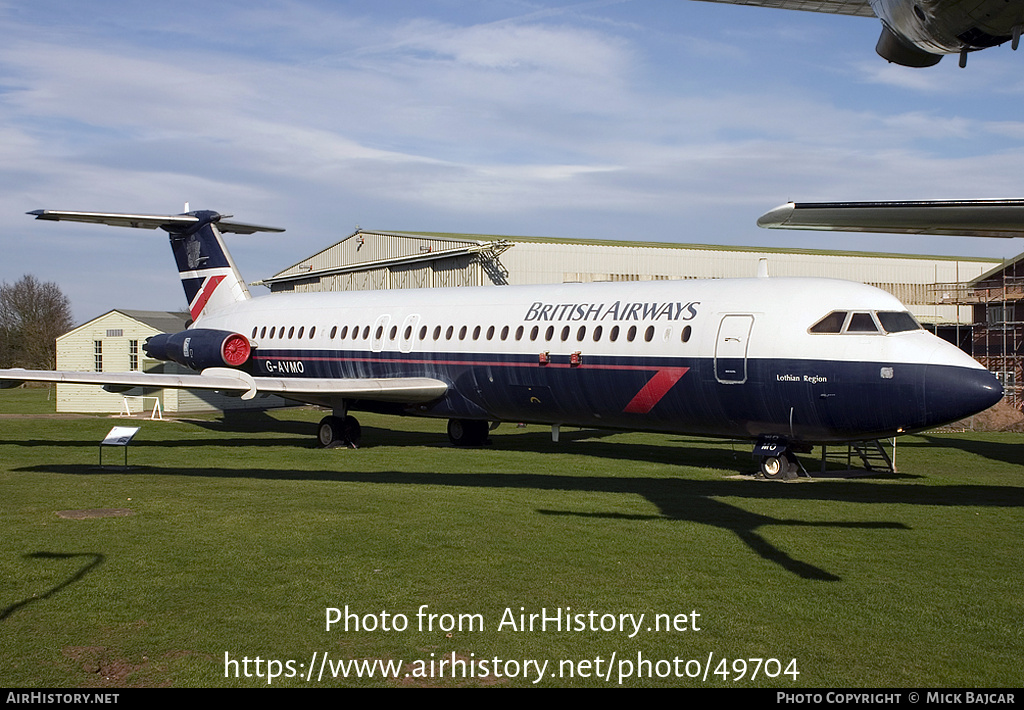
200 348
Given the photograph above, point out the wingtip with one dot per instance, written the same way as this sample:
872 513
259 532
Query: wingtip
776 218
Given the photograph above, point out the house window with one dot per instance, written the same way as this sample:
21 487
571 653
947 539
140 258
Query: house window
133 355
97 355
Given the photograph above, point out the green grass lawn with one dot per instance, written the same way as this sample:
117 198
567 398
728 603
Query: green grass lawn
243 534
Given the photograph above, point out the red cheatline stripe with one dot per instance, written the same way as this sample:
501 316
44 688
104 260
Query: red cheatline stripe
656 388
204 295
286 355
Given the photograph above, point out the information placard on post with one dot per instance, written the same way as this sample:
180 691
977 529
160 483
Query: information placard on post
119 436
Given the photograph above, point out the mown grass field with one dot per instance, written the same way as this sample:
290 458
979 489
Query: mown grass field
242 534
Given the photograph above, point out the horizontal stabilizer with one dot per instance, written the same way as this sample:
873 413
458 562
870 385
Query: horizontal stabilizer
394 389
149 221
957 218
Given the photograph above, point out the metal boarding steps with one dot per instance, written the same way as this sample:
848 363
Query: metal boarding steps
871 453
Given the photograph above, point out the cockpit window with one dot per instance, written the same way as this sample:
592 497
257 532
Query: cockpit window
862 323
897 321
832 323
865 322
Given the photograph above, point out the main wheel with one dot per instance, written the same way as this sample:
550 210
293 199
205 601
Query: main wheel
329 431
467 432
351 432
337 431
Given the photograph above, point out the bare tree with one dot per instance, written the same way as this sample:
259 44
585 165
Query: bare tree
32 315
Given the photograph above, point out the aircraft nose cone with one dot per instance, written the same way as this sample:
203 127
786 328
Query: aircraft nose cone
953 393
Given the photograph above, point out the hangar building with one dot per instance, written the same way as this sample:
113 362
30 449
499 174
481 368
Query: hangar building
370 259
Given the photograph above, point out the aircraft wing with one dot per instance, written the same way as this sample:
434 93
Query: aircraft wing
393 389
958 218
860 8
147 221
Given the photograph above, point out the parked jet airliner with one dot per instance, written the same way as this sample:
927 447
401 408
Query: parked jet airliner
916 33
781 361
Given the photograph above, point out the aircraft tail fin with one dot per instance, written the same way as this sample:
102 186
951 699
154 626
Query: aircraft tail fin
208 274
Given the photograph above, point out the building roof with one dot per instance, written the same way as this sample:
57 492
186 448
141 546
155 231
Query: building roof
163 321
469 241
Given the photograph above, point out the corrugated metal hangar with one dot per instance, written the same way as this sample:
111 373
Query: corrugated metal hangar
370 259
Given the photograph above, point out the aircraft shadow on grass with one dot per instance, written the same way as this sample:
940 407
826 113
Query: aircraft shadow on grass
682 500
1005 451
93 560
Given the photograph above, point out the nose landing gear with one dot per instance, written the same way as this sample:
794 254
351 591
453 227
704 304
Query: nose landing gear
782 467
778 461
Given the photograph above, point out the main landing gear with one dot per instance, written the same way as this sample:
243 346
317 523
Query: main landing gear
336 432
468 432
339 431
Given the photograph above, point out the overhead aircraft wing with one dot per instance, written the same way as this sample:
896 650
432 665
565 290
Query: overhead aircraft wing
958 218
860 8
148 221
392 389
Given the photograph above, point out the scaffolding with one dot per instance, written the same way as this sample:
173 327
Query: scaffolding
996 330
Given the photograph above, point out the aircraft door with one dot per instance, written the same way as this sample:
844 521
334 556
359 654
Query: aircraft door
731 348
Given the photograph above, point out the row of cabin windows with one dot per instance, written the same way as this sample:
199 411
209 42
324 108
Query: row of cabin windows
276 332
597 333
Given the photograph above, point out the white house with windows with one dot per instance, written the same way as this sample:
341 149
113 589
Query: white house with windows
113 342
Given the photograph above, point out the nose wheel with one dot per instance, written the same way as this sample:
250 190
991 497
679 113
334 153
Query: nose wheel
782 467
339 431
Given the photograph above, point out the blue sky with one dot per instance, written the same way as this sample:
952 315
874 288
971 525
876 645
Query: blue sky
635 119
